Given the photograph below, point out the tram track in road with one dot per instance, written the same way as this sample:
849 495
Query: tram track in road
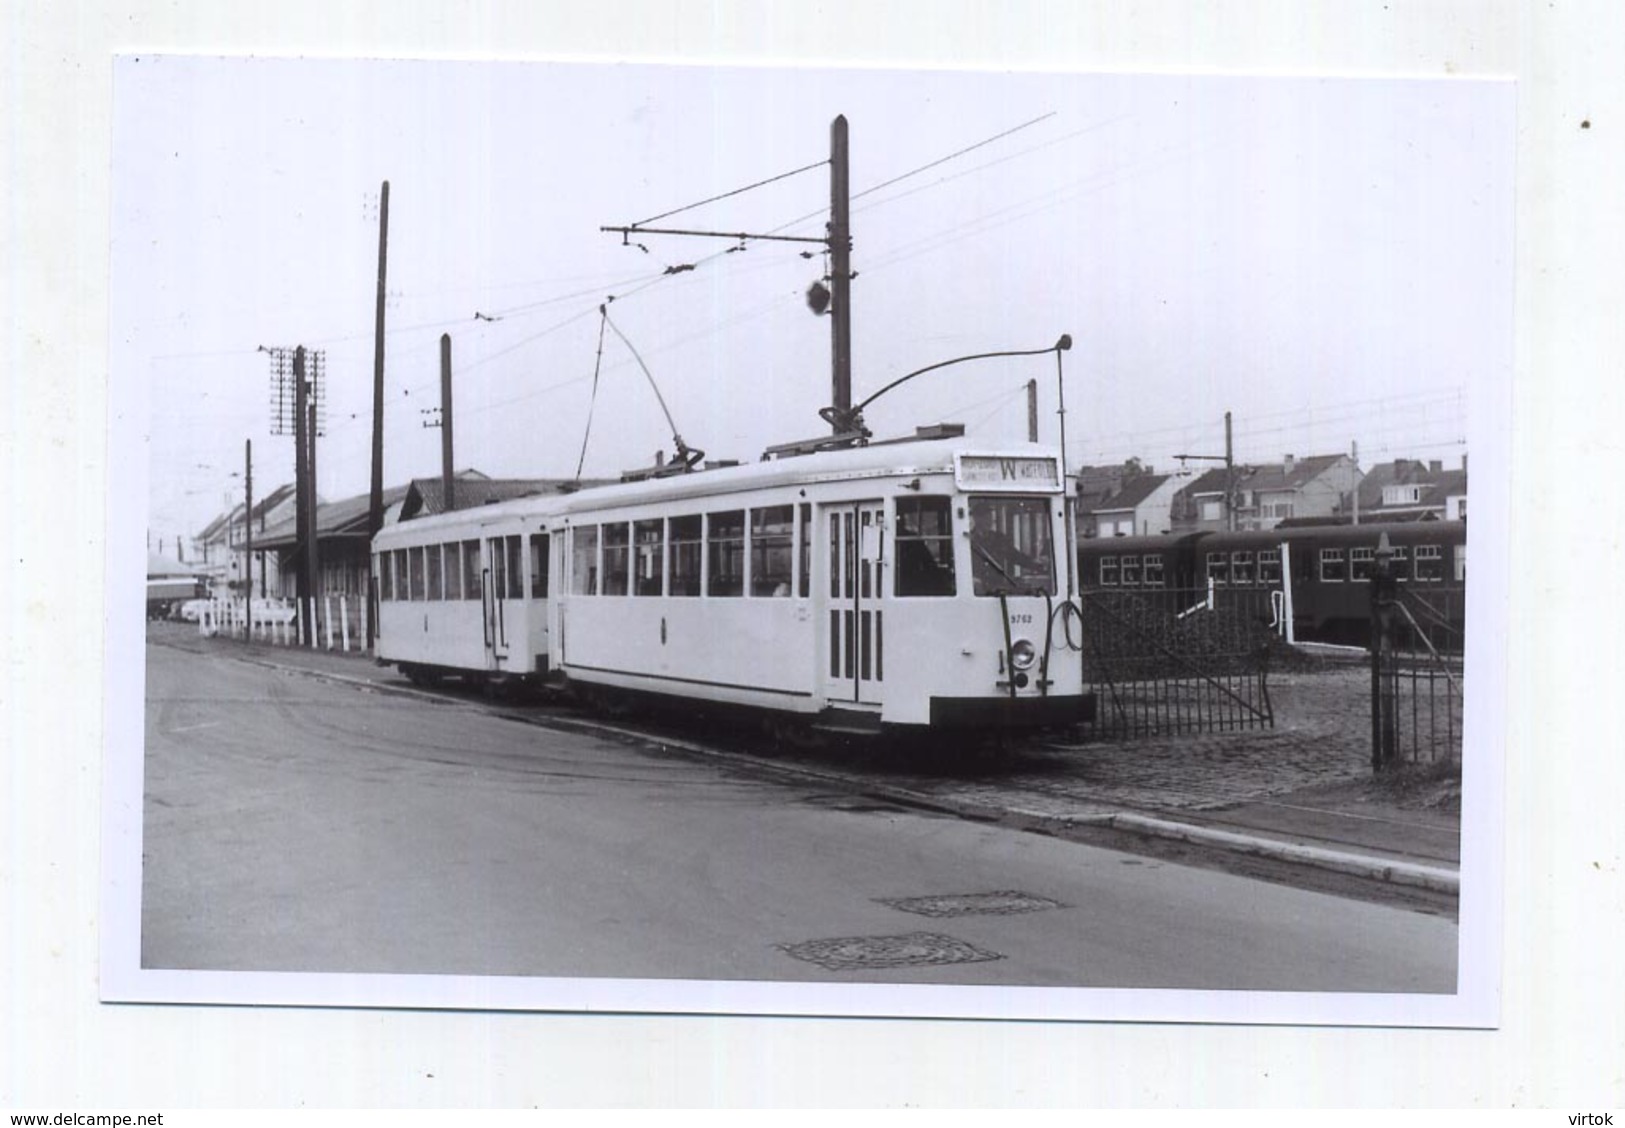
1030 788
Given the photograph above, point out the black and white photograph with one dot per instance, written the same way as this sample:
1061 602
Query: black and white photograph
787 540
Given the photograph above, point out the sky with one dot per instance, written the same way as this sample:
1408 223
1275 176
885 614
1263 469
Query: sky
1327 259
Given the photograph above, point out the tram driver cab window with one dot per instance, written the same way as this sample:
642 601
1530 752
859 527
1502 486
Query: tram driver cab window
1011 549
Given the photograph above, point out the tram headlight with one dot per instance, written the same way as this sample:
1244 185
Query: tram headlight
1022 654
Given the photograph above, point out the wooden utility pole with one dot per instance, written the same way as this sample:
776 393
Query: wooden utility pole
301 471
840 255
1032 411
447 479
312 557
375 511
1229 476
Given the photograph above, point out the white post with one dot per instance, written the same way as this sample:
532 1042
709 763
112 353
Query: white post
366 609
1286 588
344 621
310 603
327 616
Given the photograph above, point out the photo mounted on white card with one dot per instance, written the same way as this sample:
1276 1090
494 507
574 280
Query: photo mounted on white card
678 539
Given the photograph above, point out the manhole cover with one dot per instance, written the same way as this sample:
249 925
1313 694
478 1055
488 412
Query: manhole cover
972 904
913 949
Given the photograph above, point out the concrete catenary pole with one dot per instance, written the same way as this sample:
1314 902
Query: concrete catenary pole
375 511
447 477
840 255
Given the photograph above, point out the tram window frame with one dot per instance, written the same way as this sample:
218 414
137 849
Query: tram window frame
451 570
1362 562
473 569
403 591
1011 545
725 554
381 562
1333 566
540 558
499 567
1129 571
1218 569
804 550
1269 567
1151 570
923 545
1109 566
685 555
1241 568
584 560
648 556
1433 571
414 572
431 573
615 544
514 545
772 551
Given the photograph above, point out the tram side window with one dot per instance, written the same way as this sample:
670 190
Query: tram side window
1429 563
1152 574
471 569
386 582
401 590
804 537
1269 567
584 560
1218 568
1241 568
415 571
726 549
617 546
1361 563
772 541
431 559
1131 571
925 546
1332 567
539 554
515 550
452 570
499 567
649 545
1108 571
683 565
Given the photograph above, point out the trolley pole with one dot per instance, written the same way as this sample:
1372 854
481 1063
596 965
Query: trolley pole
840 255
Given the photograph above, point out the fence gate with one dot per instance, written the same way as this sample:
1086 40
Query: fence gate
1416 677
1172 661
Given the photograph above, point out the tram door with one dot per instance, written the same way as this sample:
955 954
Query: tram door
493 592
854 666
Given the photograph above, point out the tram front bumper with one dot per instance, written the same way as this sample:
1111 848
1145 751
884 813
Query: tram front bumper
1012 712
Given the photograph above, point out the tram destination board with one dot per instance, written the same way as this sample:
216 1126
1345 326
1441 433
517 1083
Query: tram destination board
1006 472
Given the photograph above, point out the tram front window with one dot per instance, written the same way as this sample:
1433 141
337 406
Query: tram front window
1012 551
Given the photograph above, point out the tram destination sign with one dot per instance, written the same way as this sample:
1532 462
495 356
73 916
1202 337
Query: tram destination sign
1007 472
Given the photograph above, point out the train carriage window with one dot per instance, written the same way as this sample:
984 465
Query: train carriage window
1399 565
804 539
649 549
415 572
539 554
683 564
772 543
1241 568
515 549
1151 570
1333 569
452 570
1130 571
617 547
431 559
1429 563
1108 571
584 560
725 550
1461 560
925 546
1269 567
1361 563
471 570
1218 568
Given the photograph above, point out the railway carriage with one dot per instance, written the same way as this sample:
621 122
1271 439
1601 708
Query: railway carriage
911 585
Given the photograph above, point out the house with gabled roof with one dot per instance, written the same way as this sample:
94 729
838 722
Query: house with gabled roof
1407 489
1262 496
1120 501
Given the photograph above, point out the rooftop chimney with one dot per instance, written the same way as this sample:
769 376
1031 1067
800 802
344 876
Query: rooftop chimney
1290 462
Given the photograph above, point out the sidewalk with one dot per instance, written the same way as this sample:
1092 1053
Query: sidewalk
1302 792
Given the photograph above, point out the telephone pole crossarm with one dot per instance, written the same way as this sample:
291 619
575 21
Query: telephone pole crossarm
741 236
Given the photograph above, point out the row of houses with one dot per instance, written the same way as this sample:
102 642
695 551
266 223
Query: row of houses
1132 499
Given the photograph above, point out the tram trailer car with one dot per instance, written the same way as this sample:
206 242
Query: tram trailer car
912 585
464 594
1329 566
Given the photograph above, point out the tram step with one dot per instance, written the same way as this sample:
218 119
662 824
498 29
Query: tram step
848 722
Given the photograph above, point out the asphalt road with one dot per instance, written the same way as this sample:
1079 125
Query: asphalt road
292 824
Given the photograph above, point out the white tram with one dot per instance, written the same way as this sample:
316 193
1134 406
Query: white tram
897 584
